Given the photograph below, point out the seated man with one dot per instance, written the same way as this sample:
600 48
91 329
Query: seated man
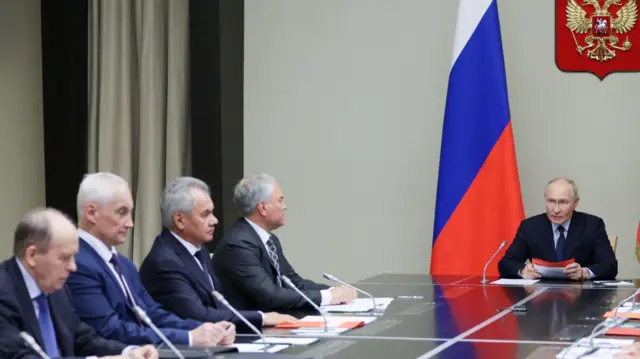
249 259
106 287
177 271
561 234
32 298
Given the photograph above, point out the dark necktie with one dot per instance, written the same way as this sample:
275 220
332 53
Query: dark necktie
271 249
560 244
116 265
46 327
201 256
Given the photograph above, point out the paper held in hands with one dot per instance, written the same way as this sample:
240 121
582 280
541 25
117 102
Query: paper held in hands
551 269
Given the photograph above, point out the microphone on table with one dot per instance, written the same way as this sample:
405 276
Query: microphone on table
222 300
33 344
334 279
145 318
604 326
289 283
484 272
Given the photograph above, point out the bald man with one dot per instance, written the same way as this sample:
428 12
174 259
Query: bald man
32 298
560 234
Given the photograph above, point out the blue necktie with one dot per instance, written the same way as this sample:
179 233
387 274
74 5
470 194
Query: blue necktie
560 244
46 327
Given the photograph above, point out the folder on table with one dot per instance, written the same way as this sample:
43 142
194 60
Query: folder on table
352 324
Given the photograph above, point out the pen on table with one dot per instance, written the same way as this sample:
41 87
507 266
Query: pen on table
409 297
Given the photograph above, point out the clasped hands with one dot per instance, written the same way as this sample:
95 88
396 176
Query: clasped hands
573 271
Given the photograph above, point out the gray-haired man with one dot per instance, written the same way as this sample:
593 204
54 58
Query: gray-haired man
249 259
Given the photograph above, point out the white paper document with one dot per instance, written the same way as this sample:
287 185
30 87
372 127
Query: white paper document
601 348
288 340
507 281
550 272
259 348
608 283
359 305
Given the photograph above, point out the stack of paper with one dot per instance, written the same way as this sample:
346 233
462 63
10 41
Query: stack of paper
359 305
259 348
287 340
335 324
600 348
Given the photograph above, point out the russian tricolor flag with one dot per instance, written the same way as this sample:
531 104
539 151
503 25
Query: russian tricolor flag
478 203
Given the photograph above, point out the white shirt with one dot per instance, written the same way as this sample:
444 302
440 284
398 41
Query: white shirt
106 254
264 236
34 292
192 250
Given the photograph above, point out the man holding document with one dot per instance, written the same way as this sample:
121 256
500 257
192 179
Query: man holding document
562 234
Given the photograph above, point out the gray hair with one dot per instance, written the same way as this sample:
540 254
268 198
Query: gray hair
574 187
177 198
252 190
35 229
99 187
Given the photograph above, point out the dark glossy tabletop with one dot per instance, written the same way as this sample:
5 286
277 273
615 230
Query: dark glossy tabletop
459 317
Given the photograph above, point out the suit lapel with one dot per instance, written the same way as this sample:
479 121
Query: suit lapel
64 337
576 227
25 302
264 256
189 261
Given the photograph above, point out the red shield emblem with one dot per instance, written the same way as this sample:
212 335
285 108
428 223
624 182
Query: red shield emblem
596 36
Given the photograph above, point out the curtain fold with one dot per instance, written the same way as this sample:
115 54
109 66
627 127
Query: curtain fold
138 102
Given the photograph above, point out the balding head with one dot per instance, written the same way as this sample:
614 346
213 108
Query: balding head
46 241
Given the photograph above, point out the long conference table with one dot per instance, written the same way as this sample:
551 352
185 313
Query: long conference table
459 317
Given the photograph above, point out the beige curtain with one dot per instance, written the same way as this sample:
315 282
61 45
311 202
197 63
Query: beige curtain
138 98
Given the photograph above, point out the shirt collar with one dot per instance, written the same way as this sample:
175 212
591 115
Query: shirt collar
189 246
103 251
565 225
264 235
32 286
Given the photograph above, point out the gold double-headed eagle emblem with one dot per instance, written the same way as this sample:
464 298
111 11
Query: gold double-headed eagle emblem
600 42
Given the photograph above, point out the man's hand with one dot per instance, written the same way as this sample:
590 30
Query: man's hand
272 319
342 294
575 272
229 333
530 272
207 335
144 352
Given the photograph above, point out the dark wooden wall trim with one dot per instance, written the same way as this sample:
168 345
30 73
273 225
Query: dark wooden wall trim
65 101
216 46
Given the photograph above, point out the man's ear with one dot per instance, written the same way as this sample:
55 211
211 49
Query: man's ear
29 256
178 220
90 212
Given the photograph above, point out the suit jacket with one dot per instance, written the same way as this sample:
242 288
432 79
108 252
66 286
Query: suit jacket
248 276
586 241
101 303
173 278
17 314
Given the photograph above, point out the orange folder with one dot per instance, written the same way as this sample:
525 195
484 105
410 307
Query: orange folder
624 332
620 314
319 324
562 264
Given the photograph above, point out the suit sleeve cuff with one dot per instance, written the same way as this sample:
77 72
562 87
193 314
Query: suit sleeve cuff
261 316
190 339
326 297
92 357
591 275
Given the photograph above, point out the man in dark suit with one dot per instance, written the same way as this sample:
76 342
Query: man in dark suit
106 287
560 234
33 298
177 271
249 259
